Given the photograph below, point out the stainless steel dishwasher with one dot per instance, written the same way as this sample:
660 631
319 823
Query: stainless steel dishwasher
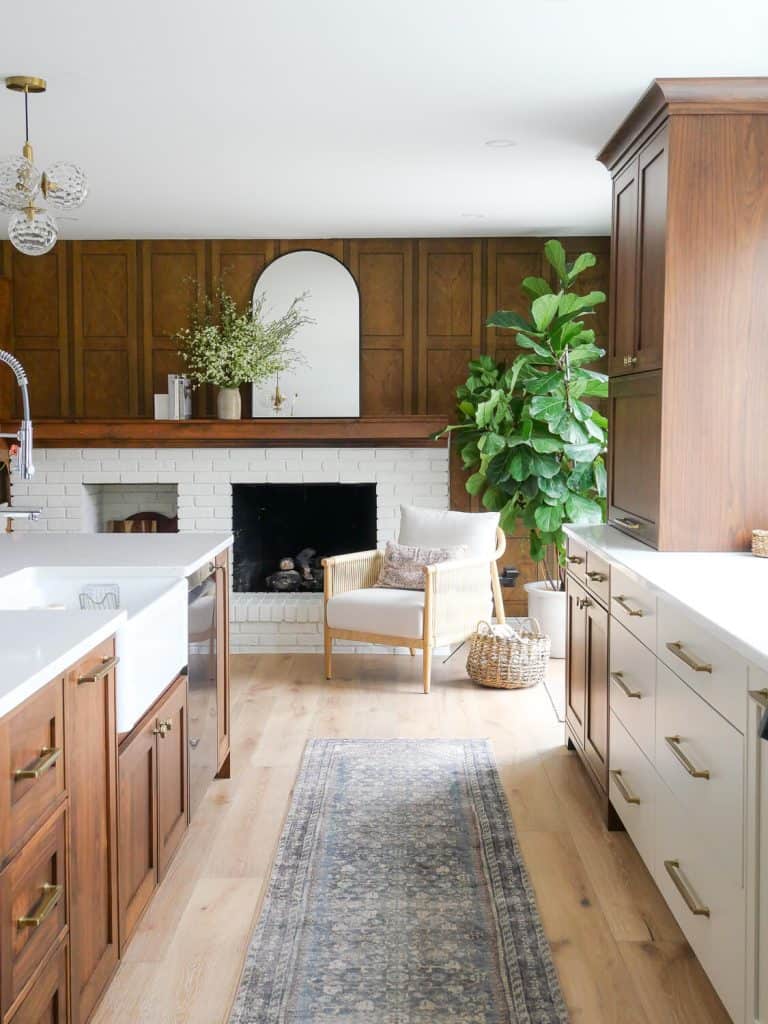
203 734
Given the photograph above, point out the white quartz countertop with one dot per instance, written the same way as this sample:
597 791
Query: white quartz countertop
147 554
726 591
36 646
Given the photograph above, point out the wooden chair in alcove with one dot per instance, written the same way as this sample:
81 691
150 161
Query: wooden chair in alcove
457 594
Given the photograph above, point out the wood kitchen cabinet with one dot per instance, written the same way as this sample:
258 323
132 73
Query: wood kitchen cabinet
91 771
153 804
687 298
46 1001
587 709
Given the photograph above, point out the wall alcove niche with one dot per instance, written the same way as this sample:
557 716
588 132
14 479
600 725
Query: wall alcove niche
327 382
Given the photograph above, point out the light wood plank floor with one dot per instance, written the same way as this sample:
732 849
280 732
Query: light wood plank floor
619 952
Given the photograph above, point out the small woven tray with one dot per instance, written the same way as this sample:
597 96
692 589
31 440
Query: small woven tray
760 543
508 662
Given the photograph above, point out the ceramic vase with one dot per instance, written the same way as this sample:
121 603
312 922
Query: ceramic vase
228 404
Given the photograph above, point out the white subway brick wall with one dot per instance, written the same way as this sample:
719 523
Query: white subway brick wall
200 480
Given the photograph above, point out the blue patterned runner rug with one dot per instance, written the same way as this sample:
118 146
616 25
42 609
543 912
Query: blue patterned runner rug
399 896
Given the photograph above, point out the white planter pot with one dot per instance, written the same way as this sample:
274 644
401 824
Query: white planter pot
548 606
228 404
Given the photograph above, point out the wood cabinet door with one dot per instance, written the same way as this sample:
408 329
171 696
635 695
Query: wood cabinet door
172 775
222 662
137 827
576 661
91 771
47 1000
596 722
651 251
623 286
634 455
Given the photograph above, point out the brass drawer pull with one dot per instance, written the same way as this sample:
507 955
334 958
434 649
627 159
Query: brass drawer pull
160 730
631 524
618 678
689 898
51 896
621 601
673 742
597 577
621 785
760 696
103 670
575 559
688 659
48 758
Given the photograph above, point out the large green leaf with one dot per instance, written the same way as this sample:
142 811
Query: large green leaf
580 264
494 499
538 551
582 477
569 430
596 388
544 465
555 255
601 477
595 431
476 483
585 354
497 470
582 411
547 407
536 286
506 318
583 510
583 452
548 517
538 383
470 454
509 517
554 488
520 464
483 364
485 409
547 444
543 310
491 444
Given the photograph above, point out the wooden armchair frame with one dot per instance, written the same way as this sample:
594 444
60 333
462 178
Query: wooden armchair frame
455 599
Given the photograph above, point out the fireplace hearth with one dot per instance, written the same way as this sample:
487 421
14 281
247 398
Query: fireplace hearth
283 531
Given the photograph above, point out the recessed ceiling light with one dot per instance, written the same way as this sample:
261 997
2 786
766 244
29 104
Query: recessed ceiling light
500 143
475 216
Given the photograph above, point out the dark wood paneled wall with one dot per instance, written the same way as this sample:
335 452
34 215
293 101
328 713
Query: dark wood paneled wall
93 322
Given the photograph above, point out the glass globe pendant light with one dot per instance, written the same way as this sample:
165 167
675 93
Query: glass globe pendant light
31 228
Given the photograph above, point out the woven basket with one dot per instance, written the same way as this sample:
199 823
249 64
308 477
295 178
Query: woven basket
508 662
760 543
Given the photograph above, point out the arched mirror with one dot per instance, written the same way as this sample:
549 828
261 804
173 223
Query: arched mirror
327 381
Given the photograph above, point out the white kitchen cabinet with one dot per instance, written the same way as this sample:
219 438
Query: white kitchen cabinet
757 851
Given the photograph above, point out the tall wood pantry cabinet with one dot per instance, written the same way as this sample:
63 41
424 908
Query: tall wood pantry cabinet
688 357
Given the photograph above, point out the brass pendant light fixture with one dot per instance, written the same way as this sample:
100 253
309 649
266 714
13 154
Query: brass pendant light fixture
31 228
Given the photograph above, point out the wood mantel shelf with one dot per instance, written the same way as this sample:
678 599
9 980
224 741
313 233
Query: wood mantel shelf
390 431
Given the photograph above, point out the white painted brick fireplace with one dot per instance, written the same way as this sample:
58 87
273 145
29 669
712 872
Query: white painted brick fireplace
80 489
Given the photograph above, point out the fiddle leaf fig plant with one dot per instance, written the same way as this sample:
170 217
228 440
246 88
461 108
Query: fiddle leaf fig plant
527 431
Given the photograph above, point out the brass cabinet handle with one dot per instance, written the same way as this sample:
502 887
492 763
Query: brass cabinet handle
597 577
689 897
631 524
618 678
673 742
583 602
621 601
168 723
630 360
760 696
621 785
688 659
48 758
51 896
575 559
104 669
160 730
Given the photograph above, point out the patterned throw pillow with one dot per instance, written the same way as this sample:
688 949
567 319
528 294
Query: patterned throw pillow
403 565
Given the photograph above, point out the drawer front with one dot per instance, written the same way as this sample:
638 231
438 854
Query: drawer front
597 576
633 604
34 906
710 667
633 687
701 758
577 559
31 764
45 1001
685 859
632 782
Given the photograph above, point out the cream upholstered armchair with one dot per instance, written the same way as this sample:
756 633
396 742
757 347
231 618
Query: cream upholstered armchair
456 595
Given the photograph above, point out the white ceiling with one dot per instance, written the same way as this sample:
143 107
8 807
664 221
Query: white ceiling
312 118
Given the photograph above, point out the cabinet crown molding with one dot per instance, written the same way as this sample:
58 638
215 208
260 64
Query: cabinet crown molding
675 96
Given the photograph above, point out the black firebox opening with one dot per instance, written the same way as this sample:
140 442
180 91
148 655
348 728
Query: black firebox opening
276 523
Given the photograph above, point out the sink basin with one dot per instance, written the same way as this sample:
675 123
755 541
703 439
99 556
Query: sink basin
151 643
